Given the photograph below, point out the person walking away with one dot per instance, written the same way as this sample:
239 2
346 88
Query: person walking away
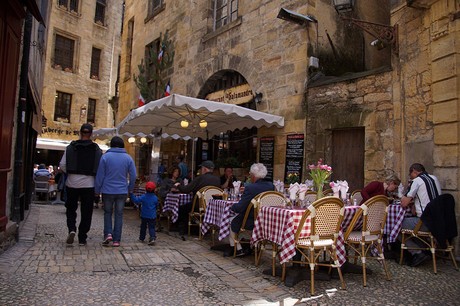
80 162
149 205
115 179
423 189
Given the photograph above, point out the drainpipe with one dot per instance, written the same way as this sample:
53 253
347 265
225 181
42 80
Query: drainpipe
21 117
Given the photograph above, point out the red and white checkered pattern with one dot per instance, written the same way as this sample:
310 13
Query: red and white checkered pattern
218 213
279 225
396 214
173 201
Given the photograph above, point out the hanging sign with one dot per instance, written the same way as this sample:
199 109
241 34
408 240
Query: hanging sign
236 95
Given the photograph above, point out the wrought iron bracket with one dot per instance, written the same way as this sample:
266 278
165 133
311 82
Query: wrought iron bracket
385 33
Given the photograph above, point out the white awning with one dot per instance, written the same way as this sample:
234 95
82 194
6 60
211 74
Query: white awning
58 145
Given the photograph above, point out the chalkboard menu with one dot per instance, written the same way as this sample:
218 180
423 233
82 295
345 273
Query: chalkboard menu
294 155
266 154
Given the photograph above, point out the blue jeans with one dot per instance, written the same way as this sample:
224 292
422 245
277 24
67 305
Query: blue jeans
150 223
113 203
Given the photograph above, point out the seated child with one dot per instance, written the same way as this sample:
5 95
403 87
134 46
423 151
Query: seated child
149 205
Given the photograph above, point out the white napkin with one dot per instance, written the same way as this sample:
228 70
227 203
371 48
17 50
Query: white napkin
293 189
335 186
309 184
185 182
343 189
236 187
279 185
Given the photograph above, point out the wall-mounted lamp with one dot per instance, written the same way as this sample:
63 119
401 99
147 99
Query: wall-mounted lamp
258 97
132 139
295 17
343 5
143 140
203 124
184 124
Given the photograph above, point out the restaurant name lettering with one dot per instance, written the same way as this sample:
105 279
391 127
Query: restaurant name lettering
235 95
59 131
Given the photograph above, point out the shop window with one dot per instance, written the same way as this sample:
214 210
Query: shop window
225 11
69 5
62 106
91 111
95 63
155 6
64 49
129 49
99 16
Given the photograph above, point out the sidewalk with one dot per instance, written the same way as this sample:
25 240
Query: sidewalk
42 270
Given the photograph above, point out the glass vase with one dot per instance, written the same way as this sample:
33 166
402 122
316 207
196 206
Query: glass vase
319 189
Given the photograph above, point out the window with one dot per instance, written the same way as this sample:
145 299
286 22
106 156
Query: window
99 16
129 49
62 106
225 11
152 83
91 111
70 5
95 62
155 6
63 53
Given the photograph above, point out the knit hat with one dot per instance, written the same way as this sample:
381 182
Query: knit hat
150 186
86 128
117 142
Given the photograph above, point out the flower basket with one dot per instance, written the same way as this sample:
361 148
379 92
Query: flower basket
320 174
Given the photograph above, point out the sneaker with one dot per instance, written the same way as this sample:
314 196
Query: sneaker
70 238
116 244
141 241
151 241
419 258
107 240
82 243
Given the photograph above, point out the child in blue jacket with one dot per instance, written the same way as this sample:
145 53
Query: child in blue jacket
149 205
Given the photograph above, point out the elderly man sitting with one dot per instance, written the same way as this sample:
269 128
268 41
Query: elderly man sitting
259 184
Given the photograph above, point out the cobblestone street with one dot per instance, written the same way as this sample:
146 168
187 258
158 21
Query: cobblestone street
41 270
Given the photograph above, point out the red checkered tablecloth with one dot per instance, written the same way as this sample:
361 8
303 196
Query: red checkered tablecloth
396 214
173 201
279 225
218 213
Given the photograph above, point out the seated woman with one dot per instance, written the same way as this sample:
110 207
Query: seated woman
374 188
226 180
168 183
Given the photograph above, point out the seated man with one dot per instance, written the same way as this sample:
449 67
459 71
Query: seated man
205 179
423 189
42 172
374 188
259 184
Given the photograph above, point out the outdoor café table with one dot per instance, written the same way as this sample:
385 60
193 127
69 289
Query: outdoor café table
218 213
279 225
396 214
173 201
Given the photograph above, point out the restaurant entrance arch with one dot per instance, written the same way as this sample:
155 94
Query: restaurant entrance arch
238 148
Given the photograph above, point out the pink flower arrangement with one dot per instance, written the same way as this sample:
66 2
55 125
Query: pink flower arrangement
320 173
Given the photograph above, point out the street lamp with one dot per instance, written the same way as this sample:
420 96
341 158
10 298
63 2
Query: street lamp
343 5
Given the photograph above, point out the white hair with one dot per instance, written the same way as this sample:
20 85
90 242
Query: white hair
258 170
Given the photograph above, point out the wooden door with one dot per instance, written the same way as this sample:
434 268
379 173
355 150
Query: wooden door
348 156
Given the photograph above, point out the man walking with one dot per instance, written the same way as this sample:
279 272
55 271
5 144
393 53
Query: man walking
80 161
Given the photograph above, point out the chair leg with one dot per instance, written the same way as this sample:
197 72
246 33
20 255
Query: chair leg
283 272
363 261
403 246
385 267
312 272
274 251
189 224
450 250
433 254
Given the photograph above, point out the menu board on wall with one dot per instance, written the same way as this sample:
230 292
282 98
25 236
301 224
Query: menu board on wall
266 154
294 155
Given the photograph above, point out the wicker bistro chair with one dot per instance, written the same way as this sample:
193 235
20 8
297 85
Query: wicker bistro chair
356 195
428 243
201 199
374 214
327 192
311 196
267 198
326 216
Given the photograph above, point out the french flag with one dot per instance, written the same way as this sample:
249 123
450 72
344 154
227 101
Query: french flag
167 90
160 55
141 101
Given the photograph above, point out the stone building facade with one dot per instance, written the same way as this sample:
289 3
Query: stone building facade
398 104
81 68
